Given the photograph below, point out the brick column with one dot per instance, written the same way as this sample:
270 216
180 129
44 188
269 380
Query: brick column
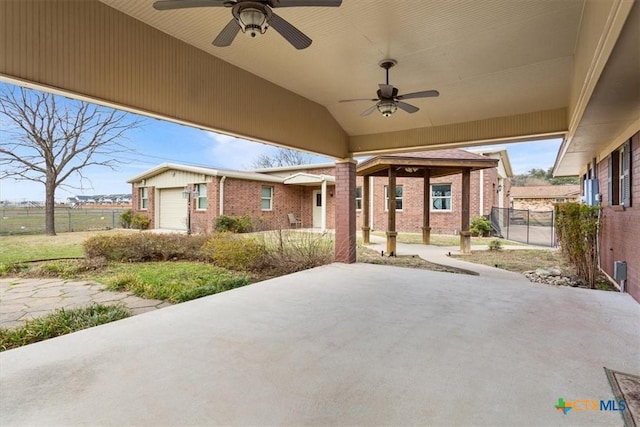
345 211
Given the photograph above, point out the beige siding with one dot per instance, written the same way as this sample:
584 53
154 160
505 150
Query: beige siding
175 178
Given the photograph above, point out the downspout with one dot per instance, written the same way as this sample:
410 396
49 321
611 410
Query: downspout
323 213
221 195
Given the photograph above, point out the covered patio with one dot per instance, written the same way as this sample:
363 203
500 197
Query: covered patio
423 166
505 71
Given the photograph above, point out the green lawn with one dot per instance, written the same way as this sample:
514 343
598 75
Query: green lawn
40 247
175 282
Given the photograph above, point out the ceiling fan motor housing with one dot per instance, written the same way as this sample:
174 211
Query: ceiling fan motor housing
253 18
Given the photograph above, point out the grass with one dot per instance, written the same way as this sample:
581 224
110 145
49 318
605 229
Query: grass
18 221
15 249
518 261
60 322
174 282
442 239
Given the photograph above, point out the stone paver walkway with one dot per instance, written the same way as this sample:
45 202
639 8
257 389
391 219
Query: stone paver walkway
25 299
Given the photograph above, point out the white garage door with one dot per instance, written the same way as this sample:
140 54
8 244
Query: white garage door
173 209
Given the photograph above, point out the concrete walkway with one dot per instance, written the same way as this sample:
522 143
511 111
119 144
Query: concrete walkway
25 299
355 344
439 255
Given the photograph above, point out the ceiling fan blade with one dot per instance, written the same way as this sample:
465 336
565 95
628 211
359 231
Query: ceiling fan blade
386 91
185 4
228 33
296 3
359 99
291 34
423 94
369 110
406 107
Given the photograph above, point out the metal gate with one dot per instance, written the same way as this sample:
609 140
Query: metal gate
525 226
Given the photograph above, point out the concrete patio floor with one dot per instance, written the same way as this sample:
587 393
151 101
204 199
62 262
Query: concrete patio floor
337 345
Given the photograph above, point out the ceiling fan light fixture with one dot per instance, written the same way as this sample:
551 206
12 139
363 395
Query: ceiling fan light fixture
387 107
253 22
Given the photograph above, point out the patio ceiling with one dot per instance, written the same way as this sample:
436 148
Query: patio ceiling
506 70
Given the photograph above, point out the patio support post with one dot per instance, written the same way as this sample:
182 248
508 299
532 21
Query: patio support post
365 210
345 211
391 226
465 234
323 211
426 206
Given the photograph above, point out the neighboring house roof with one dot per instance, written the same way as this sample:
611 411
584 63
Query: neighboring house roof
205 171
295 167
500 154
545 192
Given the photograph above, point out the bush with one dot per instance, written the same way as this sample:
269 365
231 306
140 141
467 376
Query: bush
234 224
125 218
480 226
144 247
291 251
577 227
9 269
495 245
140 222
235 252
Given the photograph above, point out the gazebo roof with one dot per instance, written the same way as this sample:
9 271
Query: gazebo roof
439 162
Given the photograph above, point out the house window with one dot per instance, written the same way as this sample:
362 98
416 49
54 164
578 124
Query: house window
358 198
441 197
398 198
560 200
144 198
267 198
619 179
201 199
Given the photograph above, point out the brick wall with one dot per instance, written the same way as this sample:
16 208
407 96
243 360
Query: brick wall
620 237
410 218
135 203
204 221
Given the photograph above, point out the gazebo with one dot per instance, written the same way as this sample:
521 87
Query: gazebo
425 165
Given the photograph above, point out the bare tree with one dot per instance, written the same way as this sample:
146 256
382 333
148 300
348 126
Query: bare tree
282 157
47 139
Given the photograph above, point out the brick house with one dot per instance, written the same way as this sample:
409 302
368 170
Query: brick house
179 197
542 198
612 180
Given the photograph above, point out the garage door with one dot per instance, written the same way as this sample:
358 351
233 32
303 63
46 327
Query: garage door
173 209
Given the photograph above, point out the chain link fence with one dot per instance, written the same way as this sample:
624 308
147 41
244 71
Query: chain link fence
30 220
525 226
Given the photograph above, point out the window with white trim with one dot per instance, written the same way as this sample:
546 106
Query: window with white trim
201 198
358 198
267 198
144 198
441 197
399 192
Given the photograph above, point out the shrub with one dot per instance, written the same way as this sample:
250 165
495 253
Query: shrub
140 222
480 226
495 245
125 218
577 227
235 252
234 224
291 251
144 247
58 323
8 269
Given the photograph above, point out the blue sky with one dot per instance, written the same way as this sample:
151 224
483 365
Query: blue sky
169 142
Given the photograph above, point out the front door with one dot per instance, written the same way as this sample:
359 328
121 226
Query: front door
317 209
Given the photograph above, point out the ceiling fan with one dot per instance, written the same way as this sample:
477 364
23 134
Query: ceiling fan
388 100
253 17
